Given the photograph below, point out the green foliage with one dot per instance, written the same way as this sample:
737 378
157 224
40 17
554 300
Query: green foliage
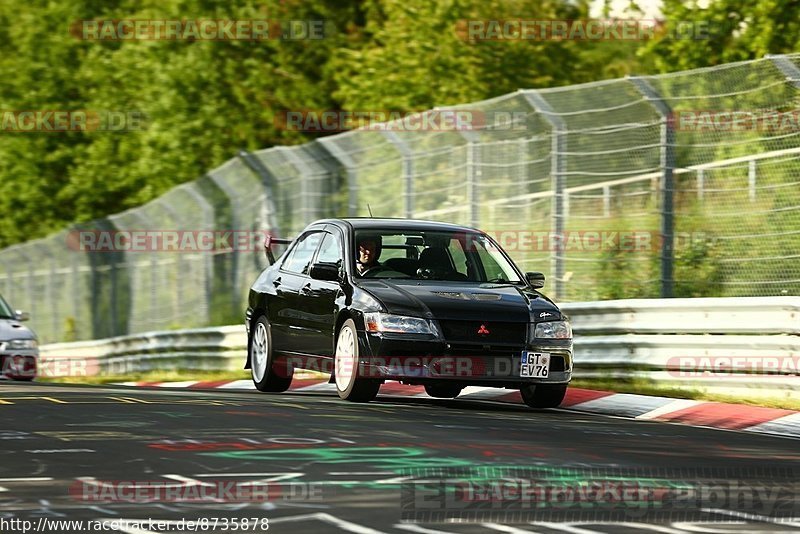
737 30
203 101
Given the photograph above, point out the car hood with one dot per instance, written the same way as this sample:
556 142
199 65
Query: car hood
13 329
469 302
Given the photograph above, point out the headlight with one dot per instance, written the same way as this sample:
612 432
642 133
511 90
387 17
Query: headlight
22 344
385 322
553 330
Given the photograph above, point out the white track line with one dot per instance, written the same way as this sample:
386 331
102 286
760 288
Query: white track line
421 530
674 406
340 524
791 521
507 529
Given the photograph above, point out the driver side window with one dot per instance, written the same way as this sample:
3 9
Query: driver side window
331 250
299 259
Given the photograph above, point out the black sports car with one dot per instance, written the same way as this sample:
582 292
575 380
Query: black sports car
420 302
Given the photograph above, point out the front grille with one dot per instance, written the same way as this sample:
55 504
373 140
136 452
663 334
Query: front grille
498 333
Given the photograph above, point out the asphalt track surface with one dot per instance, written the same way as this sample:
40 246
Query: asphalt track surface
333 466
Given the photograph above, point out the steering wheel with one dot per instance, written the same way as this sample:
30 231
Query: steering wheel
372 271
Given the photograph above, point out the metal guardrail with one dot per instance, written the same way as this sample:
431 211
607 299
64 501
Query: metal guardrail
741 346
203 349
748 346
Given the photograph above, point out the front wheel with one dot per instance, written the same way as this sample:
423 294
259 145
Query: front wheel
262 364
349 385
543 395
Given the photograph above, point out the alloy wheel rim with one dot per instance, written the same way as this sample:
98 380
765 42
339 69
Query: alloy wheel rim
260 351
345 359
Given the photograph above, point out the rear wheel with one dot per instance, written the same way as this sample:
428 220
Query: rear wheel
443 391
262 364
349 385
543 395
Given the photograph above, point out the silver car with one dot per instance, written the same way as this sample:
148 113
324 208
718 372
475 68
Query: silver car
19 348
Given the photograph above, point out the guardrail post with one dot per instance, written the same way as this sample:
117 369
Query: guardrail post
558 168
667 164
350 169
269 181
408 171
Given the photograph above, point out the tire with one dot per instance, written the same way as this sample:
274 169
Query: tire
443 391
262 364
543 395
346 369
22 378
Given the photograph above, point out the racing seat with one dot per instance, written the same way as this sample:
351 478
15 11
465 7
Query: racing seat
437 260
402 265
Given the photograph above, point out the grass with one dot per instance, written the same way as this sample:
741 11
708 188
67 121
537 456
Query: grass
635 385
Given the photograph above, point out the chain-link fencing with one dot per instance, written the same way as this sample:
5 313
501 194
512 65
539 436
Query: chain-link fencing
685 184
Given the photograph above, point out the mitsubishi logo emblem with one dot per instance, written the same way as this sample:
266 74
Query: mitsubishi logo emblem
483 330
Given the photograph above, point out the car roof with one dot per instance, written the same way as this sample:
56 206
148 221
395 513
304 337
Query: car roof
366 223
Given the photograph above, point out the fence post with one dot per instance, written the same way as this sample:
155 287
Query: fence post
75 290
558 168
667 165
269 181
786 67
701 184
408 171
309 206
350 168
473 176
208 261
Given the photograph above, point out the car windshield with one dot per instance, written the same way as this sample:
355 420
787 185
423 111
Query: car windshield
5 310
439 255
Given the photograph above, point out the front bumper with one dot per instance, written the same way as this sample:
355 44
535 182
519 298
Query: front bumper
19 363
420 361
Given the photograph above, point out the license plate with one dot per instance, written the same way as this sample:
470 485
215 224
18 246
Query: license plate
534 365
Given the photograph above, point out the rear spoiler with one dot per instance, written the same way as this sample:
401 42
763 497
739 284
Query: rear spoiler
268 246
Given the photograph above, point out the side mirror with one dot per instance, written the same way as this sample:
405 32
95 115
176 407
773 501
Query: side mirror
535 280
22 315
325 271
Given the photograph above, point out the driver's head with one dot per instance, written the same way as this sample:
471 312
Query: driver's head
369 249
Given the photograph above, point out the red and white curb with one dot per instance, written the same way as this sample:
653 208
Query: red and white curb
719 415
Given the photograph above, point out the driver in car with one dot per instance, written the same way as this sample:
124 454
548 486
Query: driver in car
368 253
